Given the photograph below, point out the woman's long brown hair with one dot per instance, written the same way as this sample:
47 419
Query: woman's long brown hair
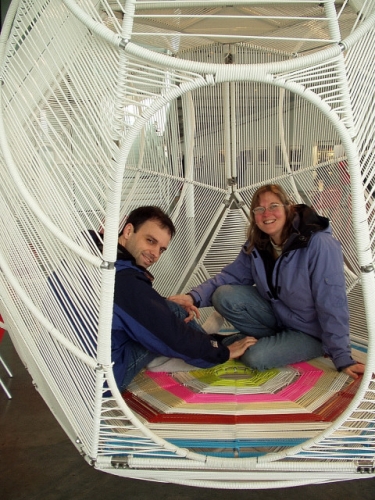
254 234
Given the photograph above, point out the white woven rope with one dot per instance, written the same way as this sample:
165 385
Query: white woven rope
110 120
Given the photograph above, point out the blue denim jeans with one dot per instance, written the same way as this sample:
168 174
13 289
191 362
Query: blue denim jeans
252 315
140 356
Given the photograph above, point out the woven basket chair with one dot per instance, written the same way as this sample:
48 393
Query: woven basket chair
189 105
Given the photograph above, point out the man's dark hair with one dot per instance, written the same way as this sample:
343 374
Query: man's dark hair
140 215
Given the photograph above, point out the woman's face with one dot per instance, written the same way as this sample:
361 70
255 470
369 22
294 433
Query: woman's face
271 223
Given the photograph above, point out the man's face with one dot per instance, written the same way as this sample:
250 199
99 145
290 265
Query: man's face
147 244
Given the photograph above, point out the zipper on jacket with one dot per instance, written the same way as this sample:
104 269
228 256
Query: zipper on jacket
277 265
276 270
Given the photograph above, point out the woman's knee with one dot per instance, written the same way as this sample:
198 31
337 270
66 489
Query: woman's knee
221 298
233 297
255 359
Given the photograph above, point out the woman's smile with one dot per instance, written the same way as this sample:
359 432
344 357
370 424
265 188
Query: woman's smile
271 223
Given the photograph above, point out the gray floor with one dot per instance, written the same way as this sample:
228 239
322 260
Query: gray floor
39 462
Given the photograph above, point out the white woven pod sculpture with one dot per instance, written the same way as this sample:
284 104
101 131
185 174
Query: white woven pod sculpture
188 105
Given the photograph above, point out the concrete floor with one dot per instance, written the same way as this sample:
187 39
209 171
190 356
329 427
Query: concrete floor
38 461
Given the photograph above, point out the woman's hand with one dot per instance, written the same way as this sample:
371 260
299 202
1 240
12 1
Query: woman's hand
239 347
187 302
354 370
182 299
193 313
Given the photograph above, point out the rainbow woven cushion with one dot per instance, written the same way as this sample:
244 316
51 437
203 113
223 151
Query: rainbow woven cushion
268 410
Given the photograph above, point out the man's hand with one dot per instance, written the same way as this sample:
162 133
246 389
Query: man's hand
354 370
238 348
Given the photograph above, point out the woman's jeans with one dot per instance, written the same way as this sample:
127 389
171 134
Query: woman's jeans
140 357
252 315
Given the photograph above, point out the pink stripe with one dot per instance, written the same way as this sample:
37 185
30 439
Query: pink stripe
308 378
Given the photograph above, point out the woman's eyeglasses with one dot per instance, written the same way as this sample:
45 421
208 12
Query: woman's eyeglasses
272 208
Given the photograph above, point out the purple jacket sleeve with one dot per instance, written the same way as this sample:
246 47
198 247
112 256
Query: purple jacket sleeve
329 292
236 273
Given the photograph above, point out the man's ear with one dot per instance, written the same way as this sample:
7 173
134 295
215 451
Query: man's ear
128 230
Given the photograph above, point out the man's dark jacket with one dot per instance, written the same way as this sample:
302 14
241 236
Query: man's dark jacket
140 313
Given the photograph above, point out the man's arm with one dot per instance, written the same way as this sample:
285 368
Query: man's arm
143 315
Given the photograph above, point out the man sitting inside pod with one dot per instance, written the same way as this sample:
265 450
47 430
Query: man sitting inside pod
146 325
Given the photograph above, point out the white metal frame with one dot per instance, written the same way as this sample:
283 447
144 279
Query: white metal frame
6 390
145 82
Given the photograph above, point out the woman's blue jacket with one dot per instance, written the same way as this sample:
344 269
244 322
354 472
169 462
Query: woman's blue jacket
306 288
